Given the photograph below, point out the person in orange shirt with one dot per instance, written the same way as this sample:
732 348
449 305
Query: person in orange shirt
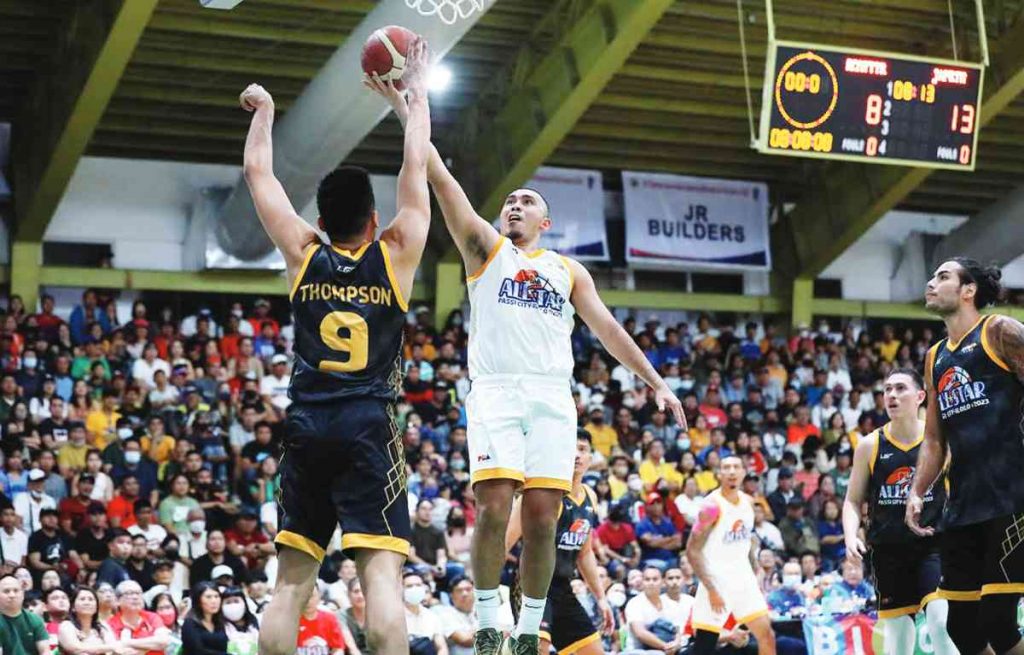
121 510
261 315
801 427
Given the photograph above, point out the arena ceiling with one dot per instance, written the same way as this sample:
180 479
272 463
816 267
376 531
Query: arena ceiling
676 103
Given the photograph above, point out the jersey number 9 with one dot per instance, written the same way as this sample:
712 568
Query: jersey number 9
356 344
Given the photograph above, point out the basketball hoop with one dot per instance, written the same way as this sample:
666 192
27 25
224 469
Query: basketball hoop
449 11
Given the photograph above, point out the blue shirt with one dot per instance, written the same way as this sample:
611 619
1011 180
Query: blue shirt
834 552
663 528
672 354
782 601
723 452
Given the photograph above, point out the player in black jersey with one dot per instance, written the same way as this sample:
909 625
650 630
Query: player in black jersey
566 624
975 393
906 566
343 459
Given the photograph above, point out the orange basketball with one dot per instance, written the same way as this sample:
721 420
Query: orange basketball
385 51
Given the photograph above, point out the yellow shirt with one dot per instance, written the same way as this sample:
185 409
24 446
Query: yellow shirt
71 456
617 487
102 428
778 372
163 451
651 473
706 481
888 350
603 436
699 439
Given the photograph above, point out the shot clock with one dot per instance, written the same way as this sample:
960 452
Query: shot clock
842 103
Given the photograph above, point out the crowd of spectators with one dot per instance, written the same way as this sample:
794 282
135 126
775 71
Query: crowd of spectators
140 459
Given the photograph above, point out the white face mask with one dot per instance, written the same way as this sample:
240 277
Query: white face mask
125 433
234 611
414 595
683 444
616 599
791 581
237 312
30 362
197 526
132 457
636 484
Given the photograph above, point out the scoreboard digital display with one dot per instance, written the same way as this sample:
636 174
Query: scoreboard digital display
840 103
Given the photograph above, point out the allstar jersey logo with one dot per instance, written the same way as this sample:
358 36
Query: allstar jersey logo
737 533
958 393
531 290
896 487
575 536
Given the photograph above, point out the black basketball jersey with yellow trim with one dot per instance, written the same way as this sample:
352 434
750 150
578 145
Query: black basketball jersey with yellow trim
892 471
349 316
575 523
980 411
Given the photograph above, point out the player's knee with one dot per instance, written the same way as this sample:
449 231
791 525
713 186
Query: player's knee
998 619
962 627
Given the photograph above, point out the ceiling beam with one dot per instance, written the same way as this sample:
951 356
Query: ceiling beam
849 198
555 90
66 105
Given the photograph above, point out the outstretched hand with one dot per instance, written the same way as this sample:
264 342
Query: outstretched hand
417 63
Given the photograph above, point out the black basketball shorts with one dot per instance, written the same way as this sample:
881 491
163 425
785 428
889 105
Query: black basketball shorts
343 463
983 559
906 576
566 624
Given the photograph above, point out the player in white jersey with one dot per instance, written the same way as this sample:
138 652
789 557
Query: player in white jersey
522 419
723 552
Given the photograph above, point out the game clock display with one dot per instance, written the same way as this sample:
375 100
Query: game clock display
840 103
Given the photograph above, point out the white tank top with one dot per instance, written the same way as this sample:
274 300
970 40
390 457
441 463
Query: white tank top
521 319
727 549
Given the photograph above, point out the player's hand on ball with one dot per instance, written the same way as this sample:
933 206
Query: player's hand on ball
669 402
855 550
388 91
255 97
607 618
914 506
417 62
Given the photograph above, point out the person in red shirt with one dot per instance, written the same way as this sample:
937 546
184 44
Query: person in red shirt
135 627
261 315
711 408
73 509
619 547
319 631
121 510
801 427
46 320
247 542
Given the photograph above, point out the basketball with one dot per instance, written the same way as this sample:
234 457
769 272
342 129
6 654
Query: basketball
384 53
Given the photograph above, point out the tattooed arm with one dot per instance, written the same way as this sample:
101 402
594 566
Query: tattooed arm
1006 335
709 515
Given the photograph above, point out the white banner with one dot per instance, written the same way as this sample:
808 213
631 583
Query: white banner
576 200
695 222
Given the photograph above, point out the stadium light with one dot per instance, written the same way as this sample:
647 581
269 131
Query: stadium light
220 4
440 78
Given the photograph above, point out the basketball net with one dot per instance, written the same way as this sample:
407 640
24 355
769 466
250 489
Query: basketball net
449 11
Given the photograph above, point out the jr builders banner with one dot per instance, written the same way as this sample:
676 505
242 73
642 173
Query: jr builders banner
695 222
576 199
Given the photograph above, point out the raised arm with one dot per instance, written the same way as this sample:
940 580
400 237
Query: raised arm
474 237
932 457
855 494
289 232
406 236
617 341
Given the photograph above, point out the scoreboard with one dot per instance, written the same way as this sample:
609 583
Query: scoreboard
842 103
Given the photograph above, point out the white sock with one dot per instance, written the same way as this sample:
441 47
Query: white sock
900 635
488 602
530 615
935 612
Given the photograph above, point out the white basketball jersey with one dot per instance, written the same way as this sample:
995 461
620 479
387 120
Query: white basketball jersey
521 319
727 549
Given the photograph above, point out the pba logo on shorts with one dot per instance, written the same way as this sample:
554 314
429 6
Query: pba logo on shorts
576 535
737 533
958 393
530 289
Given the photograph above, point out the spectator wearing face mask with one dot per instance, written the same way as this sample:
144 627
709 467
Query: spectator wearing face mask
602 434
788 600
29 504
